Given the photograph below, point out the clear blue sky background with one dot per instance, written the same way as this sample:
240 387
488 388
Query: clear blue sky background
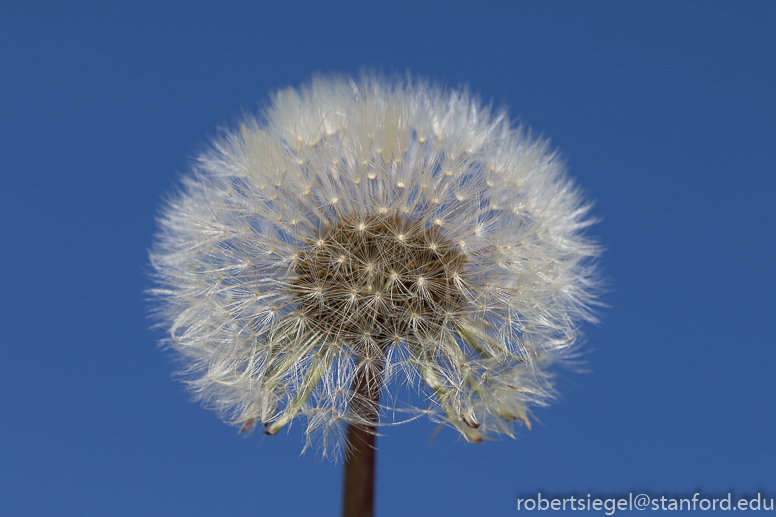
665 112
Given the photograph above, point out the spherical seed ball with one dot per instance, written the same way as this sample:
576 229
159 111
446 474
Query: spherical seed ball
374 229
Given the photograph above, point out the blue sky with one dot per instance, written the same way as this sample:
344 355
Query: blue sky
664 111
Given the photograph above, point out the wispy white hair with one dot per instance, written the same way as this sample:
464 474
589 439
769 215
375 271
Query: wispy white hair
374 225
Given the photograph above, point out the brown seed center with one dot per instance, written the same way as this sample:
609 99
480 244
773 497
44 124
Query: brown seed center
379 275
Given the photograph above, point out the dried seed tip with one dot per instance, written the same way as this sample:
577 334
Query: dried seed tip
248 425
475 438
471 423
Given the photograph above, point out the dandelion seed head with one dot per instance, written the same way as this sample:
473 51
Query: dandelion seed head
367 224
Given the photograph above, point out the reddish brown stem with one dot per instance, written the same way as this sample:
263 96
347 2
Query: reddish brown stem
359 485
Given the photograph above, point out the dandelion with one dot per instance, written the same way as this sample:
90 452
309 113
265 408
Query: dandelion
370 238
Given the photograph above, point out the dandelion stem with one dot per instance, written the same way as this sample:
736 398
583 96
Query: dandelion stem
359 483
